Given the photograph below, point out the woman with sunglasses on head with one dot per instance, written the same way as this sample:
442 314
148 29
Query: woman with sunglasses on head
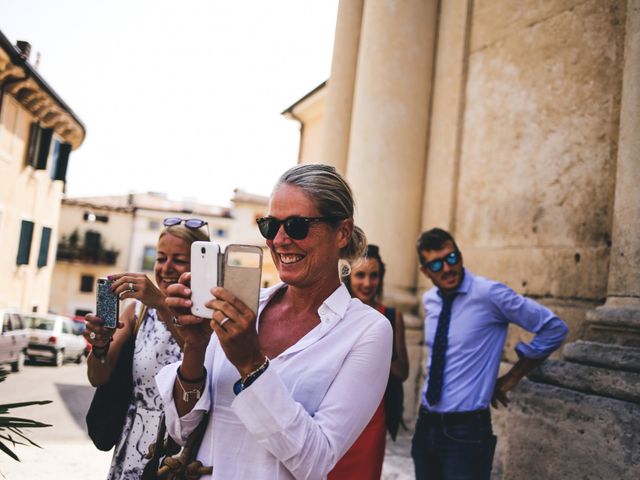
156 341
289 390
364 459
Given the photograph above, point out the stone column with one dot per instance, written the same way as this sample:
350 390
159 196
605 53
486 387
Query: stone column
389 128
624 266
618 321
337 116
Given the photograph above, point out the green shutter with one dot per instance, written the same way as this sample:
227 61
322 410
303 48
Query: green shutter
63 161
24 247
46 134
34 141
43 255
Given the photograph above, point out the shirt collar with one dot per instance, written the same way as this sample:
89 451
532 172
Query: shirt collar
334 306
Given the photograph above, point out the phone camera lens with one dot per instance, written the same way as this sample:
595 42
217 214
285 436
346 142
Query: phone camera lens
202 250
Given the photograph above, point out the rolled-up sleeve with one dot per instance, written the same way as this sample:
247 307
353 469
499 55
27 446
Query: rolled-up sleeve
310 445
180 427
550 331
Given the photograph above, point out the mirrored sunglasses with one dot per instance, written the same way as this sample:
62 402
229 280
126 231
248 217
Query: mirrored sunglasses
437 265
192 223
296 227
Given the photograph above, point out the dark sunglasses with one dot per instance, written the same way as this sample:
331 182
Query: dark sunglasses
437 265
296 227
192 223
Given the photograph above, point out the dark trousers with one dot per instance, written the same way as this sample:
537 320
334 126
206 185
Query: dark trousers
453 446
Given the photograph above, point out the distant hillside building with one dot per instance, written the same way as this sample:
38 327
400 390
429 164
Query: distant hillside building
38 131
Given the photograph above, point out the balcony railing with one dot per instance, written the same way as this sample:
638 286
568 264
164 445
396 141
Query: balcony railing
79 253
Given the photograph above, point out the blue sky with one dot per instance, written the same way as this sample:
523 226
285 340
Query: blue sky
178 97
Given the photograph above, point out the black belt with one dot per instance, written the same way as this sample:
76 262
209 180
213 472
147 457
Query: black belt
455 418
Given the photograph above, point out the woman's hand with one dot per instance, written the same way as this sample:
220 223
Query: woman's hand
138 286
235 326
195 331
96 333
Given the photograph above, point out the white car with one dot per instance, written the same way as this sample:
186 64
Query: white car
13 339
53 338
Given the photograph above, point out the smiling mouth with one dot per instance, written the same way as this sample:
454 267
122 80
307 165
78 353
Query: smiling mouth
170 281
289 258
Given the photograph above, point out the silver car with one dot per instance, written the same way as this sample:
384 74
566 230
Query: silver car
52 338
13 339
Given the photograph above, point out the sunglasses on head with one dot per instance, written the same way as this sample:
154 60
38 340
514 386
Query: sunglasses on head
437 265
296 227
192 223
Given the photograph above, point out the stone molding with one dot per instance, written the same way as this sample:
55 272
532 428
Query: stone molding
20 83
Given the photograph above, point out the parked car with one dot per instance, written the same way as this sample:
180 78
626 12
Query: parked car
79 326
13 339
52 338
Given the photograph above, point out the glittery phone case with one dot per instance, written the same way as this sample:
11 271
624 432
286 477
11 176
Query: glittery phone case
106 304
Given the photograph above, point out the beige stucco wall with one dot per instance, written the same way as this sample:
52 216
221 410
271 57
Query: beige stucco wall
310 114
25 194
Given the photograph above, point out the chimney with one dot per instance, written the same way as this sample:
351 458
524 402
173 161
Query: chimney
24 48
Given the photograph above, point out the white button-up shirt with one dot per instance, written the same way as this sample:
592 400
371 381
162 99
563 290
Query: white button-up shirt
304 412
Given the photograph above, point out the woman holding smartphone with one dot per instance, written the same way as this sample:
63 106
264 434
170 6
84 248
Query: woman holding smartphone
156 341
290 389
365 457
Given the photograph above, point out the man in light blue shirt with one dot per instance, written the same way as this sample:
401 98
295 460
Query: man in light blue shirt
466 323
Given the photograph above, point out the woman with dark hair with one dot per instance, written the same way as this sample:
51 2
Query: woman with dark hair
156 341
290 389
365 457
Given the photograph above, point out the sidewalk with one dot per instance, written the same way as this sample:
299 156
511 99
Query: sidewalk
397 461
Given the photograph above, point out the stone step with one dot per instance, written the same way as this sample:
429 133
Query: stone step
598 354
614 324
616 384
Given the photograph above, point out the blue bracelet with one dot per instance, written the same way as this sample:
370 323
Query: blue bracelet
241 384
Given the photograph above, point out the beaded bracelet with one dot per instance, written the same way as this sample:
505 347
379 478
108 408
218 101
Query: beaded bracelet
243 383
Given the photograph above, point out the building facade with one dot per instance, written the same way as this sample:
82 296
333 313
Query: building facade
514 125
104 235
38 131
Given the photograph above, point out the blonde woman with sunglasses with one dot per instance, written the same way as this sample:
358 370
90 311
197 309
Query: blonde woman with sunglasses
156 341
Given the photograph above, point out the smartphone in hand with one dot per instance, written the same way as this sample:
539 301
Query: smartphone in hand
204 276
107 304
241 273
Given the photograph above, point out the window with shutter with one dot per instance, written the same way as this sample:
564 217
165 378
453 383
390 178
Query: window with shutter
54 159
24 247
63 162
86 283
46 134
34 142
43 255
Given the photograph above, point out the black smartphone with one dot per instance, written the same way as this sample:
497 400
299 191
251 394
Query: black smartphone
107 304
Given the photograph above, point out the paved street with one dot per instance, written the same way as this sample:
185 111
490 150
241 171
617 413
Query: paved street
67 451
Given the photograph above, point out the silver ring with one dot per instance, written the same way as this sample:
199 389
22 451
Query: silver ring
175 321
131 287
92 335
223 321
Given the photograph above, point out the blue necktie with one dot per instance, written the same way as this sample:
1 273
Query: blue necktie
438 351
